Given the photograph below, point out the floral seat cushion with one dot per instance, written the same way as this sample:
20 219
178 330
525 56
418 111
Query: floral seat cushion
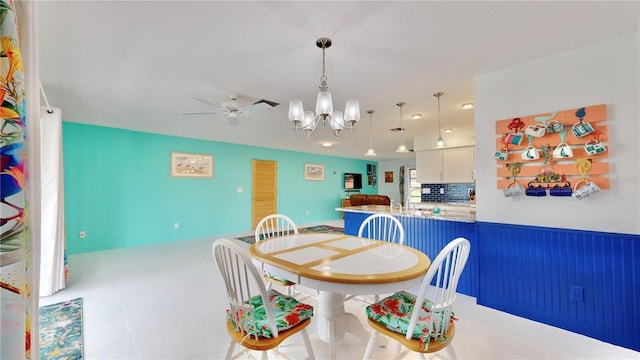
394 312
287 312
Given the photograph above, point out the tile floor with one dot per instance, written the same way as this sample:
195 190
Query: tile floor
167 301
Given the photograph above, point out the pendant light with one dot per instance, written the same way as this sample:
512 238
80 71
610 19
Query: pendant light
440 142
402 148
370 152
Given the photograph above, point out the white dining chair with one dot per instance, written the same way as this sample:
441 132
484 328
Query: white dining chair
382 227
271 226
430 327
274 225
257 318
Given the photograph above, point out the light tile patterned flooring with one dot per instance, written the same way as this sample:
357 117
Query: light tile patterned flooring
167 301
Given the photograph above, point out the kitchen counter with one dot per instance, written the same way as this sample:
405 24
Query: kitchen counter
448 211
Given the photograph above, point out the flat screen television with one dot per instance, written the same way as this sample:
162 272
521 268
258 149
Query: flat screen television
352 181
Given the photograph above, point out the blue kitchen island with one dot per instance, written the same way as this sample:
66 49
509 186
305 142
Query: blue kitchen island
428 232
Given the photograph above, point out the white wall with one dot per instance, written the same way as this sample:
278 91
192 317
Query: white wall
603 73
392 189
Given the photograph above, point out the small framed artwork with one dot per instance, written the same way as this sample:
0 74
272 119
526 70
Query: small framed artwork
191 165
374 174
388 176
314 172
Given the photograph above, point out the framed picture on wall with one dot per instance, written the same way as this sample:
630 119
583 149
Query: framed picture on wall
388 176
314 172
191 165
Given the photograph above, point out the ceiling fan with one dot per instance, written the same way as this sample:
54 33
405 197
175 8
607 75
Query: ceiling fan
234 108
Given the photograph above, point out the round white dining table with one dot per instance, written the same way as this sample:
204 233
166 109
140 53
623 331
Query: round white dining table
338 264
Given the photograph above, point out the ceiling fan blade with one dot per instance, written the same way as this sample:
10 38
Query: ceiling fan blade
205 101
202 113
268 102
259 105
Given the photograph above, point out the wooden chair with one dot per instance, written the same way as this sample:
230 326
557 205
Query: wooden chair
434 317
249 322
272 226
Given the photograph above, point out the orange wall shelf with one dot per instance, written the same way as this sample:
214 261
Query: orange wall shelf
595 115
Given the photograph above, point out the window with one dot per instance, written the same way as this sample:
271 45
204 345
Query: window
415 188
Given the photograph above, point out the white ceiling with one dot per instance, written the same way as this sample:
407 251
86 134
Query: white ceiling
138 65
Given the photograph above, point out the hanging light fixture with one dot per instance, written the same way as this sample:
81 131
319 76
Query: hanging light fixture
370 152
440 142
402 148
308 121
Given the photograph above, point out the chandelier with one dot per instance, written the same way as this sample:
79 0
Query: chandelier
440 142
308 121
402 148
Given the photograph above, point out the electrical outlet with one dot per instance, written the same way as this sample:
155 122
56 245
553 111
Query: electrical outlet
176 226
441 191
576 293
83 234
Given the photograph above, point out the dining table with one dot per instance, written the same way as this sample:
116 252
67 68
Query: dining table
336 265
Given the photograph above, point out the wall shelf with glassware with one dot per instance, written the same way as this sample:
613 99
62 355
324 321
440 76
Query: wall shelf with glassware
570 143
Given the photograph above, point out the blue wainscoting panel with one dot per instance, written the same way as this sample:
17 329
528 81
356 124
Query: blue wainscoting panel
352 221
583 281
430 236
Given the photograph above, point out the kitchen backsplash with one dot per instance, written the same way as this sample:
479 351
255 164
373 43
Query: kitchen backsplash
451 192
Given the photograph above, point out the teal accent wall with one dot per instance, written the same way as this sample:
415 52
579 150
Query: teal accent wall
118 188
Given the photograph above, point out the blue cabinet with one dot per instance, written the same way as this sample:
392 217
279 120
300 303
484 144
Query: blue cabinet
352 221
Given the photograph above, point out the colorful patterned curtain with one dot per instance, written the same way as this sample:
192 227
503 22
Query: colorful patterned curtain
15 291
